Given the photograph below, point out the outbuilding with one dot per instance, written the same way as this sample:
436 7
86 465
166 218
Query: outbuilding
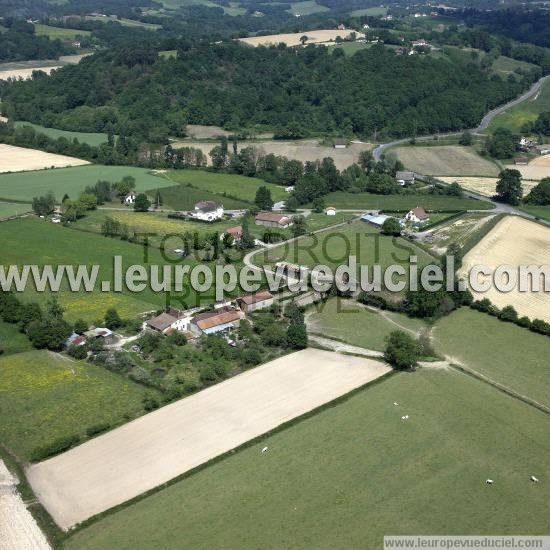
272 219
253 302
340 143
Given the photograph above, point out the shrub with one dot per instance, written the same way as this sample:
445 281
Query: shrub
539 326
524 322
508 314
150 403
78 352
97 429
177 339
55 447
402 350
252 356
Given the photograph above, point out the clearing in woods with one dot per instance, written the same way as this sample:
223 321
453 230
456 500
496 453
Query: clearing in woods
19 159
183 435
445 160
514 241
293 39
90 138
354 458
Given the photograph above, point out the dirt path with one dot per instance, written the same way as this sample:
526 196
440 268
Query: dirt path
18 530
153 449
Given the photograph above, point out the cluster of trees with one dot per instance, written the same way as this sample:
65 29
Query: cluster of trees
510 190
540 126
280 88
502 144
540 194
19 42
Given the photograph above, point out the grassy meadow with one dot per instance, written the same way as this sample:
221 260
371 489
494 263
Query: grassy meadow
12 340
23 186
90 138
355 324
58 32
538 211
8 209
527 111
508 354
355 472
185 196
47 396
402 202
308 7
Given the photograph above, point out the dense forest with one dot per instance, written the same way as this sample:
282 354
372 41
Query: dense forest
132 91
19 42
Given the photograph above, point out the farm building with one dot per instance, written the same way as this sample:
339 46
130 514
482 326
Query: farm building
271 219
236 232
208 211
521 160
417 215
253 302
130 198
404 178
214 322
330 211
170 320
108 336
75 340
542 149
375 219
340 143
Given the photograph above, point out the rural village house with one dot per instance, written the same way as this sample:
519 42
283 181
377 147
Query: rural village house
236 232
272 219
108 336
404 178
208 211
172 319
218 321
253 302
542 149
330 211
417 215
130 198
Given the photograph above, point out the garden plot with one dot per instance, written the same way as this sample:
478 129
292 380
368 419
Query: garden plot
162 445
19 159
514 241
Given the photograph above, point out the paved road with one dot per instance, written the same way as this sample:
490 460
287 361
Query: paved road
486 120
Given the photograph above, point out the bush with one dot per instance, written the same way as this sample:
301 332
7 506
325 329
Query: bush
402 350
524 322
150 403
540 327
252 356
78 352
508 314
97 429
54 448
177 339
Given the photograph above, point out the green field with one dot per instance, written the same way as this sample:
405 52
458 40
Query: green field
506 65
184 197
355 324
124 22
508 354
47 396
373 12
402 202
23 243
351 47
26 185
237 187
307 7
538 211
355 472
90 138
528 111
58 32
8 209
12 340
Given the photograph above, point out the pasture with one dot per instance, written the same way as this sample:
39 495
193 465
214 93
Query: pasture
308 7
303 150
542 212
12 340
19 159
25 186
90 138
514 241
323 476
293 39
8 209
402 202
47 396
183 435
358 325
372 12
504 352
484 186
527 111
445 160
59 32
234 186
537 169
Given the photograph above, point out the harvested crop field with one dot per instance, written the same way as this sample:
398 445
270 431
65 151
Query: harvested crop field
303 150
164 444
18 529
25 73
19 159
445 160
514 241
483 186
537 169
293 39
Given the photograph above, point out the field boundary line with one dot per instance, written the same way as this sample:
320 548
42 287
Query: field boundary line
501 387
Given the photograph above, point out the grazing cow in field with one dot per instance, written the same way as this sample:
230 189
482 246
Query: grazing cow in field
264 450
534 479
395 403
489 482
406 417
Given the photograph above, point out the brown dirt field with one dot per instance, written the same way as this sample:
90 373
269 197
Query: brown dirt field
126 462
445 160
24 73
536 170
293 39
303 150
483 186
514 241
19 159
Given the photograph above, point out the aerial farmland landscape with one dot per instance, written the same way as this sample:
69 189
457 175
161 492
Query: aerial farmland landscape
274 274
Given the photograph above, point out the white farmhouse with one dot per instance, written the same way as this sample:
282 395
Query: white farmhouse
417 215
208 211
330 211
130 198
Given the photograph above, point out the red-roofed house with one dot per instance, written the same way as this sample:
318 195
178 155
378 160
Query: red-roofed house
417 215
253 302
272 219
